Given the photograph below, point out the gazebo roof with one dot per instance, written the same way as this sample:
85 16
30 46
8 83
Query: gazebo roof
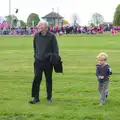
52 15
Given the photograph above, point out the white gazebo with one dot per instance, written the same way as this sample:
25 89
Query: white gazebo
2 19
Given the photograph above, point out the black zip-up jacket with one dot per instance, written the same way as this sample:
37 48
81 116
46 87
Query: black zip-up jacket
44 46
103 70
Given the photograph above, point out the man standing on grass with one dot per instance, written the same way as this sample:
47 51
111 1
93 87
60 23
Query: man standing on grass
44 44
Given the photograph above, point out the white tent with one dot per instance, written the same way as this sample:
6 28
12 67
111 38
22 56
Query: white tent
2 19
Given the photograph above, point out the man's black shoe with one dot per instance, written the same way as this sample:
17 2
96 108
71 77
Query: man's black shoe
34 101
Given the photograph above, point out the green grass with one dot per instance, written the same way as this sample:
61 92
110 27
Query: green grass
74 92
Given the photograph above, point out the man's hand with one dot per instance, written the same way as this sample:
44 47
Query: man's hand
101 77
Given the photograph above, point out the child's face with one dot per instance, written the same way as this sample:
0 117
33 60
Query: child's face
101 60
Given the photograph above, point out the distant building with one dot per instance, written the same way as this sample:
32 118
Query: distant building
53 19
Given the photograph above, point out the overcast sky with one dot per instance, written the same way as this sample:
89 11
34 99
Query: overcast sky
84 8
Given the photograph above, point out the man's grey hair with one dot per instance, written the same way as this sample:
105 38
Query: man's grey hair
43 22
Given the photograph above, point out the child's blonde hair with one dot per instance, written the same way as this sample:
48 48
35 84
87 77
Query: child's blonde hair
104 55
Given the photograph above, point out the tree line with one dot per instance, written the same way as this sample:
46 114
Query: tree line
33 19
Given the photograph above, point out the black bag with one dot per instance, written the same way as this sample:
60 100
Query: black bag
58 67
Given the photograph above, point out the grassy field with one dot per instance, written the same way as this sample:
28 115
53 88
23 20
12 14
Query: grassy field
75 92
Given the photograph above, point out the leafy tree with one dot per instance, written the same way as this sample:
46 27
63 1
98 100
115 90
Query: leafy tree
116 20
22 23
33 19
75 19
97 19
12 20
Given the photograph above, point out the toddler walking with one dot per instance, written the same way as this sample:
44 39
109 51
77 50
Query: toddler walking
103 71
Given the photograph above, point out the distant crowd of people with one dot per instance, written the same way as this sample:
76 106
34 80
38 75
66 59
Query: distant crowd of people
66 29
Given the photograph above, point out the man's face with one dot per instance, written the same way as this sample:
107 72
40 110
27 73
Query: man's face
42 27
